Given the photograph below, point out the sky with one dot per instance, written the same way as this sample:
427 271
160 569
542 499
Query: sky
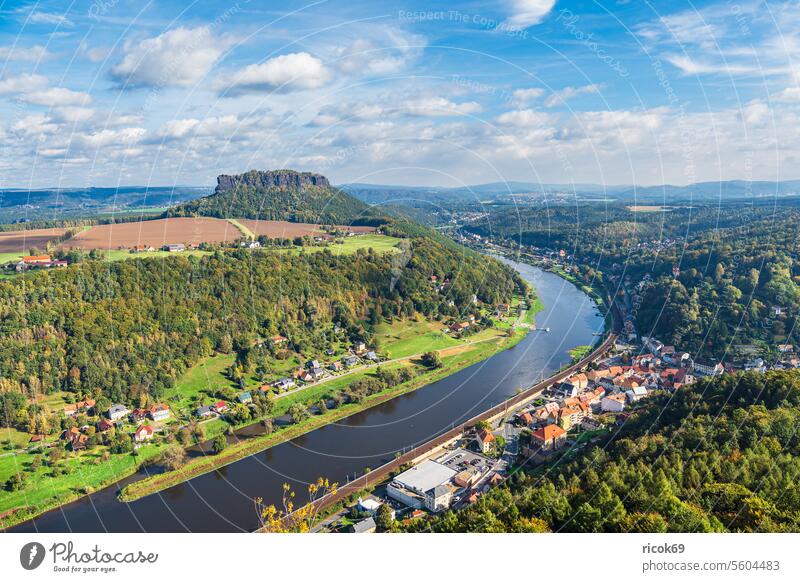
112 92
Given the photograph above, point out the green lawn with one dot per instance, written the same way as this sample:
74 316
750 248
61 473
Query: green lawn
378 242
86 474
243 229
124 254
402 339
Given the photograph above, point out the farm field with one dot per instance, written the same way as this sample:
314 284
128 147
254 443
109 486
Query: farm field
380 243
15 243
156 233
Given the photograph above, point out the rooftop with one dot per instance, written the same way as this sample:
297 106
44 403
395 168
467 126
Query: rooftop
425 476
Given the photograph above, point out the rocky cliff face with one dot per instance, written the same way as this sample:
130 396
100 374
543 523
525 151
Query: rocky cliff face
274 179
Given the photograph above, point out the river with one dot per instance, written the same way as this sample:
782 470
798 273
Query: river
222 501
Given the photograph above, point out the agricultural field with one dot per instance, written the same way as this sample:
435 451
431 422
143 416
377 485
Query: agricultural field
155 233
16 243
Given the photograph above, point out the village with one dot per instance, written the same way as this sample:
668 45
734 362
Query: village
560 422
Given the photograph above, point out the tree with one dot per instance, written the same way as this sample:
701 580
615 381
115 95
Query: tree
431 360
173 457
219 444
298 412
384 518
287 518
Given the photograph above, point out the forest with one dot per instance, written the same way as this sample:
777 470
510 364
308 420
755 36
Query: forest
721 456
125 331
709 278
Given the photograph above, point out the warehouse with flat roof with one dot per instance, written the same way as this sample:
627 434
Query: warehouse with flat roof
425 485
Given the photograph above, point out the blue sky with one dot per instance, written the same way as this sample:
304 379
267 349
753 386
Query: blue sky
112 92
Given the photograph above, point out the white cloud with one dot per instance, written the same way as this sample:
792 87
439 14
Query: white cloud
285 73
525 96
439 107
17 53
525 118
22 84
525 13
788 95
562 96
388 51
180 57
39 17
57 96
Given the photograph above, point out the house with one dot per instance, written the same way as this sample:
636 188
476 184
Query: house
143 433
777 310
220 406
117 411
636 394
580 381
138 415
78 442
371 505
159 412
105 425
785 348
485 440
175 248
245 397
306 376
365 526
70 433
143 249
336 367
526 418
83 405
549 438
565 390
459 327
350 361
204 411
708 368
278 340
313 364
361 347
372 356
284 384
613 403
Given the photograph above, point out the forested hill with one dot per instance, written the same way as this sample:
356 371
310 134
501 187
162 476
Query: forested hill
123 330
723 455
280 195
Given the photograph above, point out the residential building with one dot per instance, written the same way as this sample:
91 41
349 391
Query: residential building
143 433
159 412
245 397
366 526
613 403
175 248
204 411
485 440
117 411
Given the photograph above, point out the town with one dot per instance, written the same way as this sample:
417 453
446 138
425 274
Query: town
559 423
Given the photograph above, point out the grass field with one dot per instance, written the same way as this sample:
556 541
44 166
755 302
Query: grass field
244 230
407 338
380 243
123 254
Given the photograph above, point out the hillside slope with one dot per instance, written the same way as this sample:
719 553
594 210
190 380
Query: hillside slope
280 195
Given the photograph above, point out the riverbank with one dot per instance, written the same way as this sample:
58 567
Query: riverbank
464 356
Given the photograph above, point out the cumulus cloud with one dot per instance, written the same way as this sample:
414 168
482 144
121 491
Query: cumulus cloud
524 118
284 73
390 50
57 96
439 107
18 53
525 96
525 13
22 84
562 96
180 57
421 107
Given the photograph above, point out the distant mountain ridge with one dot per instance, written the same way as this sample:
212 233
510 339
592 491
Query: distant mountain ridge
731 190
280 195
